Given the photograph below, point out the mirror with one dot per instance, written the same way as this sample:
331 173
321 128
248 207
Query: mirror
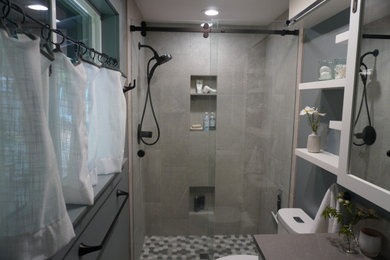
370 144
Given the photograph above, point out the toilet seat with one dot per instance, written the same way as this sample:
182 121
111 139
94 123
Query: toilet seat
239 257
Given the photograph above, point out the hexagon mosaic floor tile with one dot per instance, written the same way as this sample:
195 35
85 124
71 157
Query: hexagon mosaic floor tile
196 247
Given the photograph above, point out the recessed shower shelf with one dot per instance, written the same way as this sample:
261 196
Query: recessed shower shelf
196 94
325 84
325 160
201 212
342 38
336 125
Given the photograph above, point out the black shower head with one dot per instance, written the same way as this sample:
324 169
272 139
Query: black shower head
375 53
164 58
160 59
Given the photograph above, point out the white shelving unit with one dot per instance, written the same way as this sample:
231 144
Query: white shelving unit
336 125
325 84
325 160
342 38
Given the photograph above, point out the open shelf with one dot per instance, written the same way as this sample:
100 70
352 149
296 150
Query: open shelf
336 125
196 94
201 212
325 84
342 38
325 160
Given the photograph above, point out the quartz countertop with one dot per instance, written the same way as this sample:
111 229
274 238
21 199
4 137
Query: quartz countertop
320 246
75 211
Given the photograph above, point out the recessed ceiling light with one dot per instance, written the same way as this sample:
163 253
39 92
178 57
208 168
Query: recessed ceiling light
38 7
210 24
58 21
211 12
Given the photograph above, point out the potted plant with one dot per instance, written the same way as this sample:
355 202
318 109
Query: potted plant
349 215
313 118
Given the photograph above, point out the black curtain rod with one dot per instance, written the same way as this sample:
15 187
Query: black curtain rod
144 29
102 57
376 36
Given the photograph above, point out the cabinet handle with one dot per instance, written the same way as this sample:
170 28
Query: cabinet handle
121 193
86 249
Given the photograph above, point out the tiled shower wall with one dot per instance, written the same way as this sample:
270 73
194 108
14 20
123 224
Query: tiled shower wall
255 113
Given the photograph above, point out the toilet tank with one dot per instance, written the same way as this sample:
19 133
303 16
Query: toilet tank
294 220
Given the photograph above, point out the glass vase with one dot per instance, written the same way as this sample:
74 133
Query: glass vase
349 242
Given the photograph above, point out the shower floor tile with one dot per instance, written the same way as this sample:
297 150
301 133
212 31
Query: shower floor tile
196 247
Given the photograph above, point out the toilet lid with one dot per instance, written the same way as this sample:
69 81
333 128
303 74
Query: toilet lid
287 218
239 257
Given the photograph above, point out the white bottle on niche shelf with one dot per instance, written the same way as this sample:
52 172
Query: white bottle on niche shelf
206 122
212 121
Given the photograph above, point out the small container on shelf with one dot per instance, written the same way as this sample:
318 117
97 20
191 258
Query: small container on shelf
340 68
325 70
199 86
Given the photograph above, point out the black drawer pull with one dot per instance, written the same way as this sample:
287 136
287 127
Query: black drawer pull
85 249
121 193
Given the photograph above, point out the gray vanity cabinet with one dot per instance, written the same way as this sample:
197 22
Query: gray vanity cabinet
102 230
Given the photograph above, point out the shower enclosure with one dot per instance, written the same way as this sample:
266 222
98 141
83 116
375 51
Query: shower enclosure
201 194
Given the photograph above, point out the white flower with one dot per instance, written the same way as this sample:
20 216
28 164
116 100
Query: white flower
307 110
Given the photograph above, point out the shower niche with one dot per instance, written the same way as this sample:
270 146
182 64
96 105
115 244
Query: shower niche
201 174
203 92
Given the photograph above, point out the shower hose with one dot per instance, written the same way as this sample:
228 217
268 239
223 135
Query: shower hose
149 97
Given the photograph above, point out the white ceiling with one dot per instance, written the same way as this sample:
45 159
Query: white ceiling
232 12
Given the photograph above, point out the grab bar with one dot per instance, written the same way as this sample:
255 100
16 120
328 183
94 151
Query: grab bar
86 249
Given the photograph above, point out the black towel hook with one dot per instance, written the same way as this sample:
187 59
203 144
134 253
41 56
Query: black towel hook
130 87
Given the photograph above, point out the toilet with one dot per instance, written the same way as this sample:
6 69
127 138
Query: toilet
294 221
290 221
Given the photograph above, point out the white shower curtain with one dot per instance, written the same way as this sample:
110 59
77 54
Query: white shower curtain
68 127
111 108
33 220
92 119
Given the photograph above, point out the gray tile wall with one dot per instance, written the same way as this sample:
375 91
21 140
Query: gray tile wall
253 142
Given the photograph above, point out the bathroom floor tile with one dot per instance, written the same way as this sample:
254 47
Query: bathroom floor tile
196 247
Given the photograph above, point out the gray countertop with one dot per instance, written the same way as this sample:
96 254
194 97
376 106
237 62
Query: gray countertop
75 211
323 246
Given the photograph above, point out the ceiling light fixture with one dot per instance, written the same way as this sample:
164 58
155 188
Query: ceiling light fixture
202 24
38 7
211 12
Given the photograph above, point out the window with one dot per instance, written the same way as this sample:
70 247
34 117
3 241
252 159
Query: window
79 21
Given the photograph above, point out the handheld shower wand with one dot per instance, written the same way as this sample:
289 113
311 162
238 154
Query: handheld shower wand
368 135
159 59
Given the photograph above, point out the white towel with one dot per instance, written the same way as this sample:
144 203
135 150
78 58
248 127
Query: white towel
320 225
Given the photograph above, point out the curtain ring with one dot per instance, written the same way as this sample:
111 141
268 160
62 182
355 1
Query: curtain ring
46 26
59 33
92 50
20 10
100 58
82 45
6 9
85 48
76 47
